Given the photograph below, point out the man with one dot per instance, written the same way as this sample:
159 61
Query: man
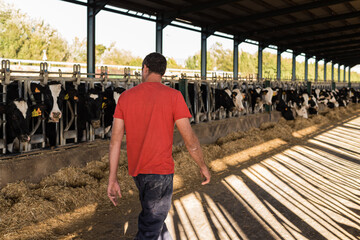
148 112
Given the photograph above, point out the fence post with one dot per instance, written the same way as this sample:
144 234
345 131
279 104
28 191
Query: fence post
183 87
267 107
309 88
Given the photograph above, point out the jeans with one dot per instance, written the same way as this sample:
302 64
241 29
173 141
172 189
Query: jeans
155 192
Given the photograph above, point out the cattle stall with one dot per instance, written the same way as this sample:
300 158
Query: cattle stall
64 108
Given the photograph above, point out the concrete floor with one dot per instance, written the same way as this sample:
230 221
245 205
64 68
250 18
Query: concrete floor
309 191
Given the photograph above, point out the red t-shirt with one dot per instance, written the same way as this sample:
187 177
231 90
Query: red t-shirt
149 111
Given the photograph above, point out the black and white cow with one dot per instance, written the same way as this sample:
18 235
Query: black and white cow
18 115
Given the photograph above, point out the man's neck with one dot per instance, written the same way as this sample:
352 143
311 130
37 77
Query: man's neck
153 78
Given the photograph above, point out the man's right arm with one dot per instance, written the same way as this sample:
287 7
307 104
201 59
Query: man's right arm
117 134
193 146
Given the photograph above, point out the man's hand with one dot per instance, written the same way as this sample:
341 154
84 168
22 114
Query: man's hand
113 190
205 174
193 146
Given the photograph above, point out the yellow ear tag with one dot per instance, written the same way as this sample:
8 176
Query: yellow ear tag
37 90
66 97
38 112
34 113
103 105
275 93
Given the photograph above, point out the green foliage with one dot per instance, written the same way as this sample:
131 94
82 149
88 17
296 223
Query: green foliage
25 38
171 63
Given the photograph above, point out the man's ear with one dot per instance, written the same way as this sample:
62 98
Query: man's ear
146 69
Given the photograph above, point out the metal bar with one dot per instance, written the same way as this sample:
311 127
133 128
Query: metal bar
278 64
316 69
344 80
76 2
204 37
236 59
325 70
260 61
332 71
293 76
159 34
349 78
91 37
339 72
306 67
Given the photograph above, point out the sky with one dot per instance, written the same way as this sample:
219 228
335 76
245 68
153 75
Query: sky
131 34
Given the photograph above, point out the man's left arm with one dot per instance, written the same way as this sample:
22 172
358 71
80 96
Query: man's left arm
117 135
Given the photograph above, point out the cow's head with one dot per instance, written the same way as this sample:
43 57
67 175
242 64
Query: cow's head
268 95
117 92
302 112
54 95
238 98
94 105
18 116
225 99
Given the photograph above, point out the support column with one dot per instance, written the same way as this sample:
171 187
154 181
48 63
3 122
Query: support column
260 54
306 68
91 13
204 36
159 34
316 69
278 64
344 73
349 74
332 71
339 72
293 77
236 58
325 70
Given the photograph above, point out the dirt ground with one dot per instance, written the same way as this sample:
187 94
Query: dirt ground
72 203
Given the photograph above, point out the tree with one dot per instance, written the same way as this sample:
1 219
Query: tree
26 38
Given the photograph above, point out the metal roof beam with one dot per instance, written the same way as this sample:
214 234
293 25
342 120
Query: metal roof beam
279 12
334 51
303 24
197 7
346 54
76 2
327 46
99 5
315 33
324 40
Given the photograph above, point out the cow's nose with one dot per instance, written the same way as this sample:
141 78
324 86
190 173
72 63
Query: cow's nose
24 138
95 123
55 116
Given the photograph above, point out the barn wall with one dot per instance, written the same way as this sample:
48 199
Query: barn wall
209 132
34 166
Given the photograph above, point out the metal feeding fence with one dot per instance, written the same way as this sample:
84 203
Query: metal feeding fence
200 95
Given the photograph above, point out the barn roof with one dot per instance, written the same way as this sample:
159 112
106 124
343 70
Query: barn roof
327 29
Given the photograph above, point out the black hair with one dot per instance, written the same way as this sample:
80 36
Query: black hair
156 63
